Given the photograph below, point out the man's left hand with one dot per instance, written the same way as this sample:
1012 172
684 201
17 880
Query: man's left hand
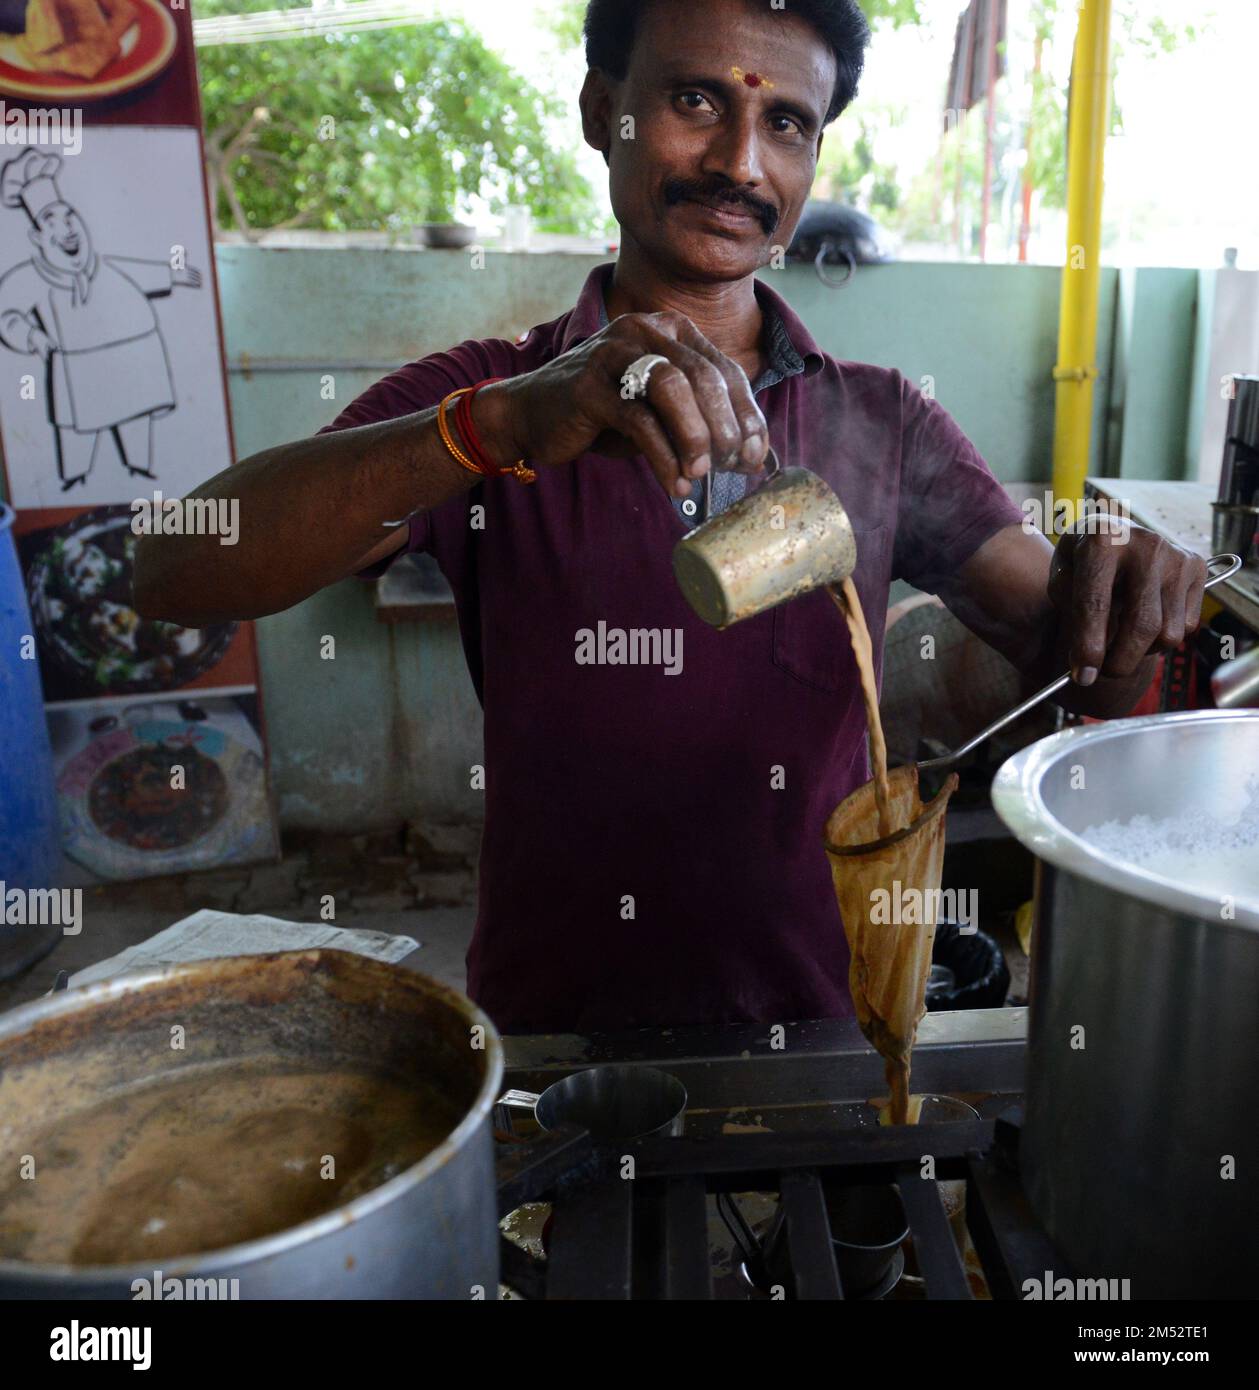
1124 593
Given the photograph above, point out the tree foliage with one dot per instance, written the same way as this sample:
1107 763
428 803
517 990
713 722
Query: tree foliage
1135 34
1026 149
378 130
849 169
891 12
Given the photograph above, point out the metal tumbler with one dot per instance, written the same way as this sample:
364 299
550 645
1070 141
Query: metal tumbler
789 536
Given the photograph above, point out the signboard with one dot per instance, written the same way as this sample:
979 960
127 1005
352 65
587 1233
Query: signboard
113 401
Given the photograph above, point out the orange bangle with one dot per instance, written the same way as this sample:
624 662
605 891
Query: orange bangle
448 440
478 463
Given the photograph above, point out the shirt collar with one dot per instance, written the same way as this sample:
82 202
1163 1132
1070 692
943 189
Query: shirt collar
790 346
782 358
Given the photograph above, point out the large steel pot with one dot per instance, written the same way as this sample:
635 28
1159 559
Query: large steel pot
1128 1139
429 1232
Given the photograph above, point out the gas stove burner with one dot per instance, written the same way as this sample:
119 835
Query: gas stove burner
651 1238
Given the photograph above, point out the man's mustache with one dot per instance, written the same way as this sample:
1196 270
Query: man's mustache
720 191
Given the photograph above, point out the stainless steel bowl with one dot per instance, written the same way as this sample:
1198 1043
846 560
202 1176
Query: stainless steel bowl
1140 1151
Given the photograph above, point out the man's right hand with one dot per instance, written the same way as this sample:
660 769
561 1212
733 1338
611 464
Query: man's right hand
699 411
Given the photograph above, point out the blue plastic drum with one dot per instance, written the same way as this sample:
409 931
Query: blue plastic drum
29 831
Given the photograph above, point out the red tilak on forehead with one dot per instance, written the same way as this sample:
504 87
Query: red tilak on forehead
751 79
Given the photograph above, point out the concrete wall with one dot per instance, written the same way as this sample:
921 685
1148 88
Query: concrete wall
986 335
1152 367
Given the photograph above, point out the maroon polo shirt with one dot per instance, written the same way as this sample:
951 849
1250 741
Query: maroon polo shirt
653 841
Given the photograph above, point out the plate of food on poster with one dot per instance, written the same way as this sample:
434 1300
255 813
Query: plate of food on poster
164 788
82 50
92 641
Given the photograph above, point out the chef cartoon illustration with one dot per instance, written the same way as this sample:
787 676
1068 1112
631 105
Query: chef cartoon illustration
89 319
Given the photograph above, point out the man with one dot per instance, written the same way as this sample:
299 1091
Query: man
652 850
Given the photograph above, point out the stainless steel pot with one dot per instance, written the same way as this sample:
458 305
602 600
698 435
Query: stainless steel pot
1143 1046
429 1232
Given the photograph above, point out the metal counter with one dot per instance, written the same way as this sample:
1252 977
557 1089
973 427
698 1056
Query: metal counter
795 1075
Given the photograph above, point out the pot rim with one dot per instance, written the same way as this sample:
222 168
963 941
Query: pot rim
222 1260
1017 799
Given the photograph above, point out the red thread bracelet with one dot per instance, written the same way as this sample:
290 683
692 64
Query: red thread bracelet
472 441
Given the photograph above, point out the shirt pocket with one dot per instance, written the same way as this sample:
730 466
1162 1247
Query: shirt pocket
811 639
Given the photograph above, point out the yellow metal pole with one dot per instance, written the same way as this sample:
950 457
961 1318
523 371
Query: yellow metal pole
1081 276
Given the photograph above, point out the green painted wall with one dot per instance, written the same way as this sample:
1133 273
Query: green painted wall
327 309
1151 374
986 336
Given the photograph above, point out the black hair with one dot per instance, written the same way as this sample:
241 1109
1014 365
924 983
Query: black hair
612 25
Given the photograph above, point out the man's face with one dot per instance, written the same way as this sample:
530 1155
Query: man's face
62 238
727 101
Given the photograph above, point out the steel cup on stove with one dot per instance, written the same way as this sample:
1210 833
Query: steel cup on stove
615 1103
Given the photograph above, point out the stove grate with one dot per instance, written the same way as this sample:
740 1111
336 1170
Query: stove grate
613 1236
